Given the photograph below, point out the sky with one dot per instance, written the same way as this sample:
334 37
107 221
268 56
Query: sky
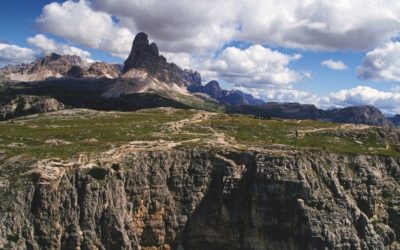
328 53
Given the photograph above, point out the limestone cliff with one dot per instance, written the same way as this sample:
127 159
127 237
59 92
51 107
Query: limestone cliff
201 198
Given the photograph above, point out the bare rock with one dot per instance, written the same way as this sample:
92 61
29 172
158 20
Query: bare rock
202 199
21 105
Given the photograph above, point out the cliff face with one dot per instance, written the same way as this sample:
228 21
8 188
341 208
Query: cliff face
202 198
27 104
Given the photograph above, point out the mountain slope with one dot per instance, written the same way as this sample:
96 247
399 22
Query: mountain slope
127 94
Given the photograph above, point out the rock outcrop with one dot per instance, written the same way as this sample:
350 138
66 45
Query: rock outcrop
202 198
22 105
359 115
145 56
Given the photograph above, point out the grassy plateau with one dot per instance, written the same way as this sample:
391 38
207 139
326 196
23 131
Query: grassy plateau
71 132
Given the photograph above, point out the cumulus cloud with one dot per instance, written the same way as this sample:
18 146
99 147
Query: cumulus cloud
335 65
320 25
387 101
201 26
284 95
79 23
382 63
13 54
47 45
256 67
176 25
307 24
183 60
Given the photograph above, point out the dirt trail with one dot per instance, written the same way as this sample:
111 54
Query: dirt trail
302 133
216 137
197 118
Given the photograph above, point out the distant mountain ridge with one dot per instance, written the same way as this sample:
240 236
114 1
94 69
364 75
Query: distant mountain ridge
230 97
355 114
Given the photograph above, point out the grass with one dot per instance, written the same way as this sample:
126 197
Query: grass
253 132
92 132
87 133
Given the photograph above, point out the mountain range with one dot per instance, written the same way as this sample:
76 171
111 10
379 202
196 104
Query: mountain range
145 80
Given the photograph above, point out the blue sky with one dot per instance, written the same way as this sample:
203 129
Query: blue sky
272 49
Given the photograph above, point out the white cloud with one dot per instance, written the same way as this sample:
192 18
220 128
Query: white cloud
382 63
183 60
387 101
335 65
13 54
283 95
203 26
310 24
79 23
319 24
47 45
176 25
256 67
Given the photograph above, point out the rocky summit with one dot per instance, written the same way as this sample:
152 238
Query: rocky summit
145 56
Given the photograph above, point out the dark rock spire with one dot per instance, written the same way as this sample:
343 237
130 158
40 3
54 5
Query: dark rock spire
145 56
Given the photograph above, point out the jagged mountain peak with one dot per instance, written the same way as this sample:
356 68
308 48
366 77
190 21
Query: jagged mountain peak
141 39
54 56
145 56
57 60
141 43
213 84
